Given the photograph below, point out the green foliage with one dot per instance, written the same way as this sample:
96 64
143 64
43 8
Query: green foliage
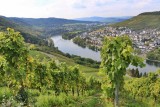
93 84
3 62
94 48
134 73
85 61
47 49
41 75
17 74
50 101
24 75
5 93
78 40
33 92
70 35
143 89
89 103
38 55
117 54
154 55
15 52
29 38
3 66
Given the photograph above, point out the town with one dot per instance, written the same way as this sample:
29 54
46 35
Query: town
144 40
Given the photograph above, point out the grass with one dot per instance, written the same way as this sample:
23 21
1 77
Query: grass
39 55
52 101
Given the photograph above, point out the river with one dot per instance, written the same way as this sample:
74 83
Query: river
67 46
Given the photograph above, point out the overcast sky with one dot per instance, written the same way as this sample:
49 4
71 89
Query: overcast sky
76 8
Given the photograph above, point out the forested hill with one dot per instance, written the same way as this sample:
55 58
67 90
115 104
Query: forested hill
4 22
142 21
30 34
35 29
46 22
24 24
19 25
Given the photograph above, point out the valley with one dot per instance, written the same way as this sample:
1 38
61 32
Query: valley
56 62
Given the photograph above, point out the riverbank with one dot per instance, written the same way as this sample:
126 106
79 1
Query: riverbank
153 60
67 46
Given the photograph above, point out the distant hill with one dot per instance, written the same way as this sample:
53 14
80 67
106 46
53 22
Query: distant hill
142 21
35 29
104 19
34 22
29 33
23 24
46 22
18 24
4 22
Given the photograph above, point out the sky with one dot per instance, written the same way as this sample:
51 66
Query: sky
70 9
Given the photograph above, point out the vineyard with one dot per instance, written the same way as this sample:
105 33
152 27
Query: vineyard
28 80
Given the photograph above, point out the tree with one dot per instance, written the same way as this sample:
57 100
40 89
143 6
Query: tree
117 54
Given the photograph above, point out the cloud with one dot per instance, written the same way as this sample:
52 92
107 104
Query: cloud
140 3
79 6
75 8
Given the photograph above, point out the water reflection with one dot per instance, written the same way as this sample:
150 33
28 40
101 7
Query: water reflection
157 64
